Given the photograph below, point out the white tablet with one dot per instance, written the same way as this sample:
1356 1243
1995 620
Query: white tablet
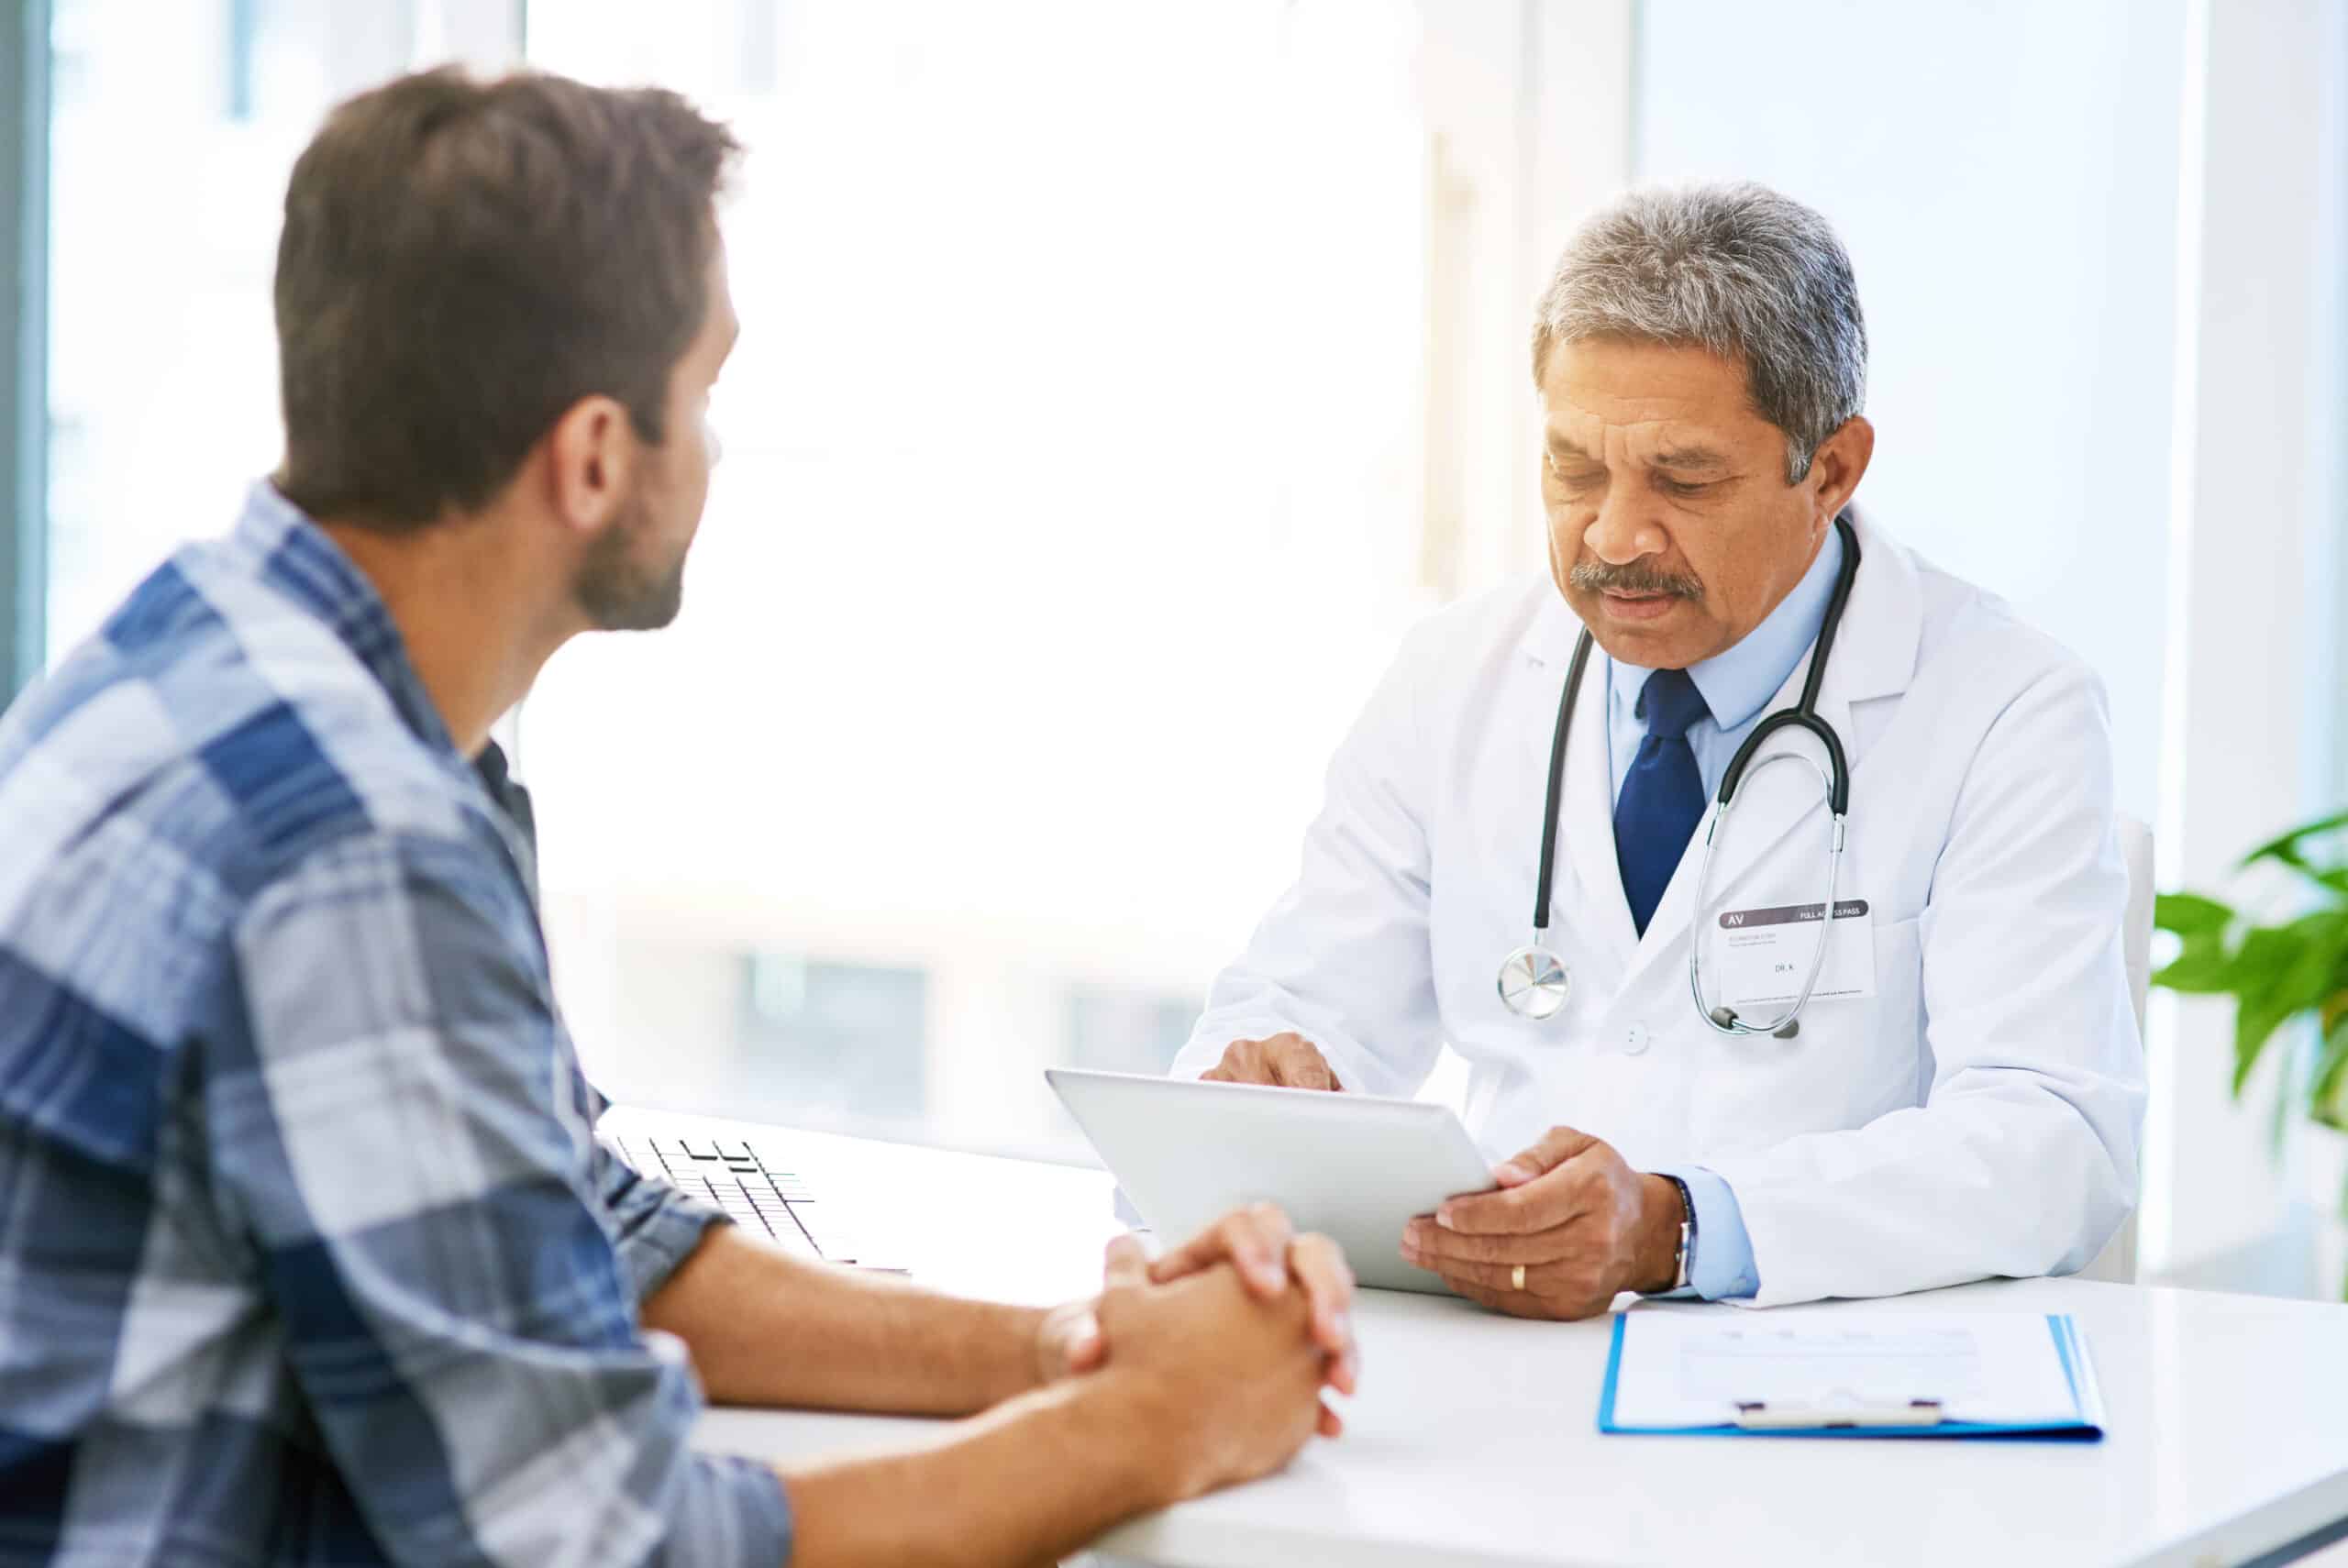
1355 1168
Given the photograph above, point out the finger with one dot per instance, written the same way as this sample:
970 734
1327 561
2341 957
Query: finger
1554 1199
1539 1278
1085 1348
1127 1264
1427 1244
1514 1303
1298 1065
1552 1149
1320 1264
1331 1423
1243 1062
1254 1241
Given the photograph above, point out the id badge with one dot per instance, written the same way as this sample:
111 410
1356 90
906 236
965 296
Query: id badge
1763 955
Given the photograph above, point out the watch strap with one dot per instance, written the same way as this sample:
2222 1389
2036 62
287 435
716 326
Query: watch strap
1684 1273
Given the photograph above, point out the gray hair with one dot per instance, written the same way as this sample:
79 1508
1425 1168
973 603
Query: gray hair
1752 276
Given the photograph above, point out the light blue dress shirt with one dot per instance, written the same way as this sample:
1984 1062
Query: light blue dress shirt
1736 686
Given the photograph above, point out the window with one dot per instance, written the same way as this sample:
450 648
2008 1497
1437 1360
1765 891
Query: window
1071 503
173 130
1086 452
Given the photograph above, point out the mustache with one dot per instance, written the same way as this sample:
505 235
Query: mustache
1598 577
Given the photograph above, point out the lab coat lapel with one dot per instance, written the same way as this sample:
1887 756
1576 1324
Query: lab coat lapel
1591 901
1784 805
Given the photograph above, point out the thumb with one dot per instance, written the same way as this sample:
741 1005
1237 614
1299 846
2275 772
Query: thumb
1552 1149
1127 1264
1081 1344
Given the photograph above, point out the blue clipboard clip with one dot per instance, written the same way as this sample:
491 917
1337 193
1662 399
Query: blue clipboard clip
1759 1416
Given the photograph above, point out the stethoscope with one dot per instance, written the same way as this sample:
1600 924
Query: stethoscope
1534 982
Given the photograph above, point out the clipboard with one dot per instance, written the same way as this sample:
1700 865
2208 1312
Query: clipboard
2067 1404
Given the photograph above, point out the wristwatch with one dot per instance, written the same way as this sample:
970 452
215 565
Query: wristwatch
1683 1274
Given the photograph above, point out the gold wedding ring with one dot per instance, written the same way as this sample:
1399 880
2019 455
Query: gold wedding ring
1516 1278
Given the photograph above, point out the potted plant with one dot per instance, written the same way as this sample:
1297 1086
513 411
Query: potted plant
2278 974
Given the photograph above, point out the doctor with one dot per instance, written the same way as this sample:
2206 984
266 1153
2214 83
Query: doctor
1932 1077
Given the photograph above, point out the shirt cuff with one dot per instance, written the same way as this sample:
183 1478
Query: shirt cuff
1722 1268
654 1227
736 1512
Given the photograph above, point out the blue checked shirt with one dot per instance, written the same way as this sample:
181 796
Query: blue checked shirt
307 1253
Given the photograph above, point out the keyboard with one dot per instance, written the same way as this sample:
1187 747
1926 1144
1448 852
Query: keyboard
756 1190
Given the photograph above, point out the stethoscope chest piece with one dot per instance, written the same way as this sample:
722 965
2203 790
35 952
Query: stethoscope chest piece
1533 983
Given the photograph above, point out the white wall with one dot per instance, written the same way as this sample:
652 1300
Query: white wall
2005 174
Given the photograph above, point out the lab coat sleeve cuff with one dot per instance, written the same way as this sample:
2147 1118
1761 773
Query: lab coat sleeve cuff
1722 1268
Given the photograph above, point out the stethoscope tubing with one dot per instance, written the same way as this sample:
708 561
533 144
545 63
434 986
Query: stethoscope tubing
1835 776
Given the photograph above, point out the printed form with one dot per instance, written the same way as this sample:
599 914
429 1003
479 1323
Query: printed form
1695 1369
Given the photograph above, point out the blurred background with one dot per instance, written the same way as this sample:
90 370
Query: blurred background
1118 382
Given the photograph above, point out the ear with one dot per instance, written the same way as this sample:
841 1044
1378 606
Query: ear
592 452
1840 462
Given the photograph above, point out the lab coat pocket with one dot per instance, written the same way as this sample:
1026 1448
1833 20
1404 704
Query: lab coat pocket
1894 1062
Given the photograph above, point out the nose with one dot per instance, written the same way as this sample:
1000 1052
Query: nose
1623 529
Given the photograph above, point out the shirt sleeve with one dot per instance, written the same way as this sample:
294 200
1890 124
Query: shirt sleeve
654 1227
392 1129
1722 1268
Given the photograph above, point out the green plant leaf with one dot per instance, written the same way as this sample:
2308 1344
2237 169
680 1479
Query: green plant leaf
2255 1024
2328 1089
2191 914
2291 850
2287 849
2199 970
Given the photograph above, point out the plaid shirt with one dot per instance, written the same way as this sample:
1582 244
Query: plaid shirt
307 1253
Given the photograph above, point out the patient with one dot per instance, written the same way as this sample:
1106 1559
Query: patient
307 1253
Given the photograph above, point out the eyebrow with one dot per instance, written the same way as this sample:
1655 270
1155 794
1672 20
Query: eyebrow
1687 457
1565 446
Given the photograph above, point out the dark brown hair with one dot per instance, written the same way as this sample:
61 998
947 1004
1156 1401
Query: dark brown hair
462 261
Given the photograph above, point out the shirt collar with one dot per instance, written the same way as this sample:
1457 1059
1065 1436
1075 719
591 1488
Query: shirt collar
296 557
1738 682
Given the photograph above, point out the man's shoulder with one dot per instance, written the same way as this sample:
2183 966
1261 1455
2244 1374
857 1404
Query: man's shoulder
226 728
1976 634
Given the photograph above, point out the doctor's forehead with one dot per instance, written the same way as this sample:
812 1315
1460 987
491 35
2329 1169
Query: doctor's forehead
1612 401
1668 441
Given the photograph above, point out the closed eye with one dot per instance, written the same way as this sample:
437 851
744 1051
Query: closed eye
1576 476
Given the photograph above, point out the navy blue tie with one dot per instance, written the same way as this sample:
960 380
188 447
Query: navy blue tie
1663 796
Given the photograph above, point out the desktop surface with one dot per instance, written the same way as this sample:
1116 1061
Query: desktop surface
1475 1441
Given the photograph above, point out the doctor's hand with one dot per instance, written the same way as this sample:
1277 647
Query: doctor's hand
1289 1061
1581 1224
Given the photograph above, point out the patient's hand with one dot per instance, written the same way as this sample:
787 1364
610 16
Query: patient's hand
1226 1387
1268 1253
1289 1061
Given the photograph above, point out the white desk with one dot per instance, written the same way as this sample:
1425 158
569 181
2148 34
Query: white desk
1474 1441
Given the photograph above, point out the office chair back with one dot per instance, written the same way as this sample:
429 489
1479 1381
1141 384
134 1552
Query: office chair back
2117 1262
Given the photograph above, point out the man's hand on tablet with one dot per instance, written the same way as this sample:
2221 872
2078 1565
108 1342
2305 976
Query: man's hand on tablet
1289 1061
1570 1227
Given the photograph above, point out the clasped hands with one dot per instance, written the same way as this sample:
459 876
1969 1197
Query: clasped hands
1571 1226
1269 1258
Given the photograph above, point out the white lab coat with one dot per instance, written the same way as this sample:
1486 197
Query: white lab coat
1978 1115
